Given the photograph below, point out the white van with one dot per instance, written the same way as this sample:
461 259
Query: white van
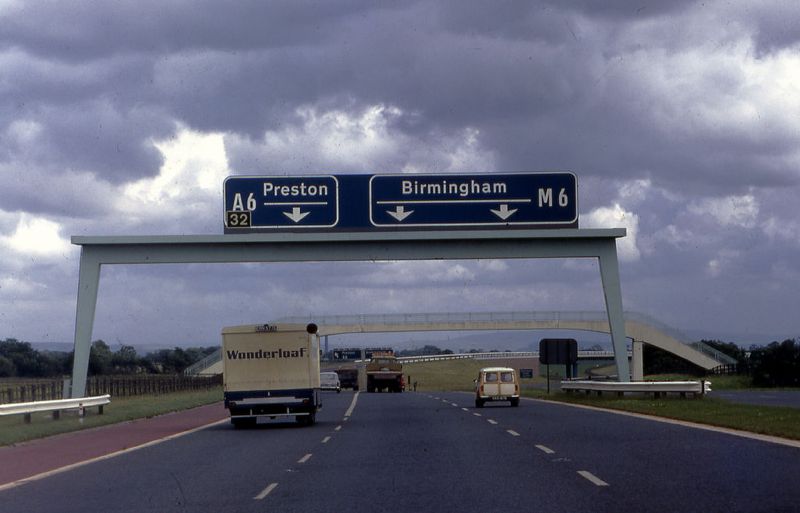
496 384
329 381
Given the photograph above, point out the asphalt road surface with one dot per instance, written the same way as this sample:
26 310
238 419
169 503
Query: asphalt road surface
763 397
419 452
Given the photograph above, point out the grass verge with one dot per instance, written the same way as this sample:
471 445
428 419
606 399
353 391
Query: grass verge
14 430
767 420
457 375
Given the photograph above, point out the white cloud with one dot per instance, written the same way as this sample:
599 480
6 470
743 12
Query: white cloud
721 263
680 238
188 183
36 236
785 230
635 191
363 141
492 265
739 211
617 217
192 161
748 90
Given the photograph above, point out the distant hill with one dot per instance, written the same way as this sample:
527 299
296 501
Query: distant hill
63 347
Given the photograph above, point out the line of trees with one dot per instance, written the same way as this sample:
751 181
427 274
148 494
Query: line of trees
774 365
20 359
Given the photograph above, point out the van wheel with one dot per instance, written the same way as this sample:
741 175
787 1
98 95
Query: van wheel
478 403
515 401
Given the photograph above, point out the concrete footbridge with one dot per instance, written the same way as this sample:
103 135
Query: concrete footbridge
638 327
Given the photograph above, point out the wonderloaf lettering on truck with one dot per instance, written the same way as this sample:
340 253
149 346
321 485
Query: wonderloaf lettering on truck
279 353
269 357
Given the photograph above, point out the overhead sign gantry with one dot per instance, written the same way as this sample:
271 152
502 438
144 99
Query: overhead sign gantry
318 218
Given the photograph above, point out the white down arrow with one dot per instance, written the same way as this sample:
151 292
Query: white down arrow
399 213
296 215
504 213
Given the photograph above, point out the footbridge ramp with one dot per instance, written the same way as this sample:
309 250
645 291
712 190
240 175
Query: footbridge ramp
641 328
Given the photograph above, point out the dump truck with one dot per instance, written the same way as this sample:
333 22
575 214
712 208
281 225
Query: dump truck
271 371
384 372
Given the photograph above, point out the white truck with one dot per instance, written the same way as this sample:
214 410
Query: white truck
271 371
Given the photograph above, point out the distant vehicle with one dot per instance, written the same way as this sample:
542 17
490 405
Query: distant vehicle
385 372
329 381
271 371
496 384
348 377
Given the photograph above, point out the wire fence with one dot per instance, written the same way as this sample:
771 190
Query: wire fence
22 391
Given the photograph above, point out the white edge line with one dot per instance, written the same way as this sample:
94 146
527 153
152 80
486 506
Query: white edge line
72 466
266 491
592 478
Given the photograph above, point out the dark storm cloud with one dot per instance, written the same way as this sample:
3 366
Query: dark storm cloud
93 29
545 89
676 97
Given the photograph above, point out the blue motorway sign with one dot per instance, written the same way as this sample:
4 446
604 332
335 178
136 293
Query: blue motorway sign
513 199
400 201
253 202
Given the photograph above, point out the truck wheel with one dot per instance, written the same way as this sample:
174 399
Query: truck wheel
306 420
243 423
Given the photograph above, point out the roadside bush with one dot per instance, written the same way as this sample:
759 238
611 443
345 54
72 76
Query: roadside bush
776 365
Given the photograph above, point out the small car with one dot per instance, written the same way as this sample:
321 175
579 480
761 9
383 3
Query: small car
329 381
496 384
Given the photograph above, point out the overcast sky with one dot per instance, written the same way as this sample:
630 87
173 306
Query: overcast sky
680 119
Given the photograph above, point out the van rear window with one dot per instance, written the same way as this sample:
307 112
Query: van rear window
507 377
491 377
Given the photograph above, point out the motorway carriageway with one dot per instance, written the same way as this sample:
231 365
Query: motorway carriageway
415 452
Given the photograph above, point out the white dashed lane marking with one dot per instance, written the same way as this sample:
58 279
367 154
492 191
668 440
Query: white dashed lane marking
266 491
512 432
592 478
545 449
304 458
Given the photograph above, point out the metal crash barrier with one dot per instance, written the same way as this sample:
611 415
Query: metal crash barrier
55 406
657 388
